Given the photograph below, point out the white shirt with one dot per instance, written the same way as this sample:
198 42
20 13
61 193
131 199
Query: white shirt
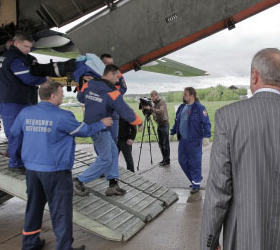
268 90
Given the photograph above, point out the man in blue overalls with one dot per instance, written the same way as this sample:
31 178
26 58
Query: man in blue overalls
192 124
18 90
48 153
102 99
121 86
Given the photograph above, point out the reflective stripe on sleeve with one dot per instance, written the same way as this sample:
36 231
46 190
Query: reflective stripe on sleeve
77 129
31 233
21 72
137 121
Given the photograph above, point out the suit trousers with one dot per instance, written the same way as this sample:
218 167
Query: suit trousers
56 188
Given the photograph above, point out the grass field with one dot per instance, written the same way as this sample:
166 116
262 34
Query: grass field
211 108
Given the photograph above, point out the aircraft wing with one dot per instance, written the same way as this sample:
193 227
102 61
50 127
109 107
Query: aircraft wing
171 67
135 32
162 66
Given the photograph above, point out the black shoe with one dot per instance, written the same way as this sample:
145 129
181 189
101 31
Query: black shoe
41 244
79 188
79 248
162 163
20 171
194 190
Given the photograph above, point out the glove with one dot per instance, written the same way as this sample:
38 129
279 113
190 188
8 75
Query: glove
205 142
171 138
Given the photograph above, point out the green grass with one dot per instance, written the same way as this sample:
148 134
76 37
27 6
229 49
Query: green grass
211 108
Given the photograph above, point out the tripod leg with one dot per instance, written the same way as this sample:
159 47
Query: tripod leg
143 133
149 134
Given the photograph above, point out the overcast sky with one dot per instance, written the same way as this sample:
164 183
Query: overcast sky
226 56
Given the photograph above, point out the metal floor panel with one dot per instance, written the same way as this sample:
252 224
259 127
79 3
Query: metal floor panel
162 193
112 217
137 202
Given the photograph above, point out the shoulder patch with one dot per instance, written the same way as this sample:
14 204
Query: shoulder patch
114 94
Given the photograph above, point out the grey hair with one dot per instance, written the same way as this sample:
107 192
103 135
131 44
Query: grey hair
267 63
22 36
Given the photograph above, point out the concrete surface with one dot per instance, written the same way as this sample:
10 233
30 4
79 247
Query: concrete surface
177 228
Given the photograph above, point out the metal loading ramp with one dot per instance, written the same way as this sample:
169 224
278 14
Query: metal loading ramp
116 217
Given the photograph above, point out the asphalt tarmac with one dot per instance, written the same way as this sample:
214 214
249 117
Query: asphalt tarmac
178 228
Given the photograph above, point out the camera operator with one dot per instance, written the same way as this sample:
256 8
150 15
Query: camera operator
160 114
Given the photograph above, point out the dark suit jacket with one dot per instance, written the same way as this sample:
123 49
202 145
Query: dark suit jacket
243 188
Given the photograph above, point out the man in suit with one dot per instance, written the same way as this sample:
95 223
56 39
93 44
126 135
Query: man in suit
243 187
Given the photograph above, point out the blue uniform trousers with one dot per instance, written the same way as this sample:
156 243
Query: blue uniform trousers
190 156
114 129
106 161
56 188
9 112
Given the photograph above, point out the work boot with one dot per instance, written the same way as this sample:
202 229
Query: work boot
197 196
79 188
41 244
161 163
79 248
115 190
20 171
194 190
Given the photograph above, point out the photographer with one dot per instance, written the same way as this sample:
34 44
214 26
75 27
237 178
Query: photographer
160 114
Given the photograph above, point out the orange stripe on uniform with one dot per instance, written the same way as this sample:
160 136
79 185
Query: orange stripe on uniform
118 87
114 95
85 86
137 121
31 233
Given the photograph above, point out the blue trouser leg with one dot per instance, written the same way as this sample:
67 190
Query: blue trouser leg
57 189
194 149
9 112
114 129
106 161
36 201
183 158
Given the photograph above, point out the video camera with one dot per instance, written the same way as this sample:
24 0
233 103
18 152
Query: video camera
145 101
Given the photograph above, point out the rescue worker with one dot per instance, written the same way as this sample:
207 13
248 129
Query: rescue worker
191 125
121 86
17 87
101 99
48 153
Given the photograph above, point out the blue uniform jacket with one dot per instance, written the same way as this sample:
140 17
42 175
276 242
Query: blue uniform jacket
101 99
199 125
49 136
16 83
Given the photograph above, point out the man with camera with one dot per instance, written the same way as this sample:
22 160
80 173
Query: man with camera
160 114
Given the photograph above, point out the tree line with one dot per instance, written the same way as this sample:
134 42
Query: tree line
218 93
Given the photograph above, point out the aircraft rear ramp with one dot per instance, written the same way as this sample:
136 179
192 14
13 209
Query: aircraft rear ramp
116 217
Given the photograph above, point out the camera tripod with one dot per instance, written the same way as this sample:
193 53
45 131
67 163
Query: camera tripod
148 123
